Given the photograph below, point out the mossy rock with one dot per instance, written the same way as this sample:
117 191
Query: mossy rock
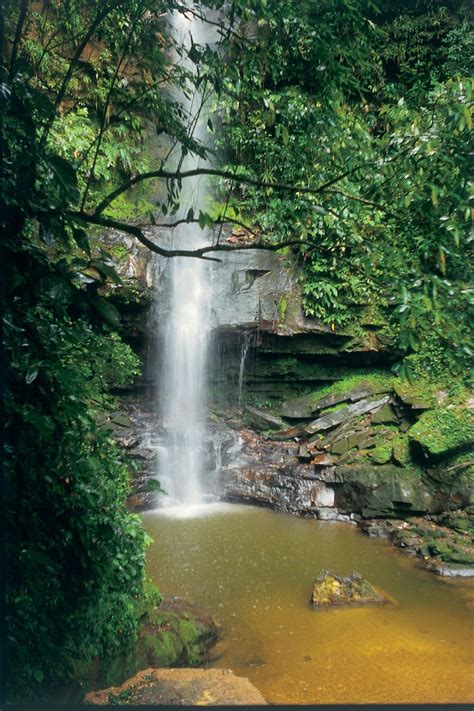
381 491
381 454
401 450
173 633
330 589
463 555
442 432
420 395
386 415
349 389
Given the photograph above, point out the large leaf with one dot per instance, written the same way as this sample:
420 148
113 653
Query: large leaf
106 310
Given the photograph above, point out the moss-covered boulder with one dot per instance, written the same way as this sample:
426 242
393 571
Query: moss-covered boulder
420 395
173 633
381 491
442 432
330 589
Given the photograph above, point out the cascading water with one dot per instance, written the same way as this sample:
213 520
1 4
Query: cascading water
182 382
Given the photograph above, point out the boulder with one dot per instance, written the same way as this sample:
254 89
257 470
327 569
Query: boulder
330 589
442 432
381 491
418 397
180 687
386 416
353 439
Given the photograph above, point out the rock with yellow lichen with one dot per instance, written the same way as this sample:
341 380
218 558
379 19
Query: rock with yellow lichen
330 589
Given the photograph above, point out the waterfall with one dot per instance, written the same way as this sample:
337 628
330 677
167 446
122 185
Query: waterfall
182 391
243 357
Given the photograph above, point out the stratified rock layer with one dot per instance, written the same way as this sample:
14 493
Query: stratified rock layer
181 687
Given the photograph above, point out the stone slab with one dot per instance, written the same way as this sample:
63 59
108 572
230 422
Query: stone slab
180 687
345 414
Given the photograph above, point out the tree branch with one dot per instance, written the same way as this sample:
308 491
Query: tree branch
16 41
358 198
199 253
221 220
169 175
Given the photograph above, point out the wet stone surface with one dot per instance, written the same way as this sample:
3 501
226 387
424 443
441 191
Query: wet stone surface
330 589
181 687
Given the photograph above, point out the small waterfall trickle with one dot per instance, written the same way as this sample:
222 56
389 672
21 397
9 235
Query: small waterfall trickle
243 356
182 391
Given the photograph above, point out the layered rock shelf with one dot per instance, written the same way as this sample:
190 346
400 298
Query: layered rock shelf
377 451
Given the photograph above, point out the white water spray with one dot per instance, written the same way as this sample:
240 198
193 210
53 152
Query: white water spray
183 387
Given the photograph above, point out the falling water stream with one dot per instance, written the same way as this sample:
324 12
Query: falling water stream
182 388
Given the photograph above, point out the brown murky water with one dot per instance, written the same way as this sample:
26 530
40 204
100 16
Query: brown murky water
252 569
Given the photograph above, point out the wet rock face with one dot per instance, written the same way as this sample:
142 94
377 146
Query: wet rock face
267 473
353 590
356 461
384 491
134 296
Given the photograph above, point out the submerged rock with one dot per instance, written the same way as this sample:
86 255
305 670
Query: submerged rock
329 589
180 687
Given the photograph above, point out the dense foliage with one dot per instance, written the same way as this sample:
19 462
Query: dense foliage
367 102
376 97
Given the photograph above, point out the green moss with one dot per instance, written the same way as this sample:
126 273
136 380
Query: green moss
282 306
420 392
442 431
401 449
380 377
188 631
334 408
381 454
164 648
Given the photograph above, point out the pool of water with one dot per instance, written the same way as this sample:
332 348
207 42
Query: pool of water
253 569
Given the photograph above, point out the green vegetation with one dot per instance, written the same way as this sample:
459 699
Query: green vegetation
443 431
71 130
389 122
348 124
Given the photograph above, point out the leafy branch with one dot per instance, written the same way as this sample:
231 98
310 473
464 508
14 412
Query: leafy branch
200 253
227 175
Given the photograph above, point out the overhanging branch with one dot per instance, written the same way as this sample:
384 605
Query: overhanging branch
170 175
199 253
